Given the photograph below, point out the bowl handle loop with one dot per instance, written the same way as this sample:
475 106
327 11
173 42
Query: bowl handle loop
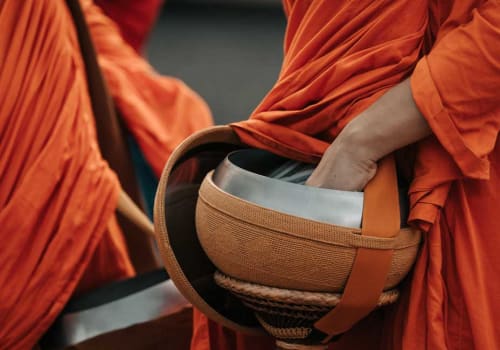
366 281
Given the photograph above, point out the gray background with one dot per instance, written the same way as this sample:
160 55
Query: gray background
229 53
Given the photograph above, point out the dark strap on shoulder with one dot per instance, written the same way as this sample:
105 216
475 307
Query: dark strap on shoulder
113 146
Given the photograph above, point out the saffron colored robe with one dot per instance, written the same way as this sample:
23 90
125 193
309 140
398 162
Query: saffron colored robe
134 18
57 195
341 56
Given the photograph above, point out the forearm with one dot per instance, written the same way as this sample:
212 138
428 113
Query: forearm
392 122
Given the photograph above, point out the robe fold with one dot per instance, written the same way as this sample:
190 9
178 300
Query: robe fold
134 18
159 111
57 195
339 58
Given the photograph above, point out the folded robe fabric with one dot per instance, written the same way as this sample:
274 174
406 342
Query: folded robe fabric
57 194
134 18
159 111
341 56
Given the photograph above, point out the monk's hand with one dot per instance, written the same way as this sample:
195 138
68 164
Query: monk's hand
345 166
390 123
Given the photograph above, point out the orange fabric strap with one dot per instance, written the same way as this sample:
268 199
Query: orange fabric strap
381 218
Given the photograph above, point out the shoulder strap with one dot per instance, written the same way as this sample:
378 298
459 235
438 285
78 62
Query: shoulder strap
112 144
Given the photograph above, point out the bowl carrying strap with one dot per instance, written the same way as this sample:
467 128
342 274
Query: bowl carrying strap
370 268
111 137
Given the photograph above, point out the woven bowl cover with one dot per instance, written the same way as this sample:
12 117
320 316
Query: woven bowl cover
255 244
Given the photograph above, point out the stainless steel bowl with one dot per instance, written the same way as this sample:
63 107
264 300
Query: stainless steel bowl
276 183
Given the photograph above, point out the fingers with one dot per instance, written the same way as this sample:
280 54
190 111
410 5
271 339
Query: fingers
342 173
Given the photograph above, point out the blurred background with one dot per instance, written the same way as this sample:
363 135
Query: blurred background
228 51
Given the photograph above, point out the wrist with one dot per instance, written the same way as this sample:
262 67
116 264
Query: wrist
392 122
361 141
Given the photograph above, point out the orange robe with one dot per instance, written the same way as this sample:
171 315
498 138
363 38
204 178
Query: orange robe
341 56
134 18
57 195
159 111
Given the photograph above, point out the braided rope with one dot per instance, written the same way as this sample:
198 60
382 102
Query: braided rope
280 312
286 346
288 296
285 333
274 304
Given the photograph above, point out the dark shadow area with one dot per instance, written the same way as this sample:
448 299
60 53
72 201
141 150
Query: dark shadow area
231 55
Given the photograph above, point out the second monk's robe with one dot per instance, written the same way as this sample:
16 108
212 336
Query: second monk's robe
341 56
57 195
134 18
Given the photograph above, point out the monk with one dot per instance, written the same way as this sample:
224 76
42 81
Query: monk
57 195
364 79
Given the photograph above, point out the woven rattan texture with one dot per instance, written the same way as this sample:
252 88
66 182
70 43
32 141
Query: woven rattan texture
289 298
262 246
285 332
287 314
